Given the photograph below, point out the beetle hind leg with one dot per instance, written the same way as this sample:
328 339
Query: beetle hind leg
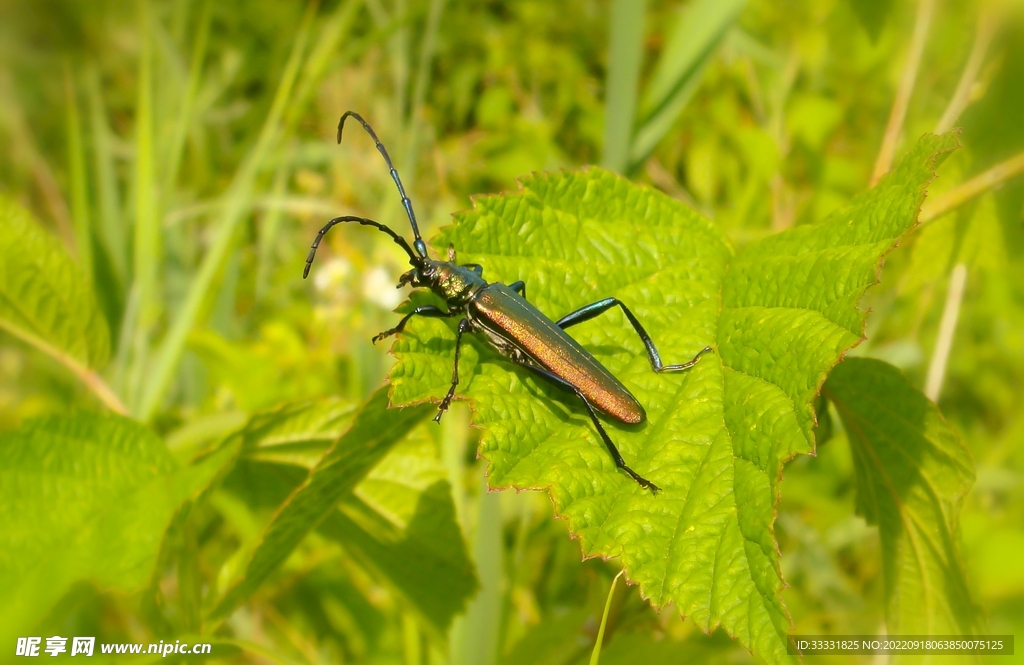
601 306
616 456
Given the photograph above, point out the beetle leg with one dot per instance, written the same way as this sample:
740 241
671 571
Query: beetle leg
475 267
422 310
600 307
619 462
519 287
464 325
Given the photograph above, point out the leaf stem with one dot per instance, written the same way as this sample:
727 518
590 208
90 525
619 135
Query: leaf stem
596 655
88 377
977 185
883 163
984 32
947 328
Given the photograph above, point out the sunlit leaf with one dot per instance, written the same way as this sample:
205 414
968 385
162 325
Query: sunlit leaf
401 524
779 314
912 474
296 433
374 430
45 297
84 498
400 519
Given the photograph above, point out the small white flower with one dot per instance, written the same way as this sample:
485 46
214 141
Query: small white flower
379 287
332 274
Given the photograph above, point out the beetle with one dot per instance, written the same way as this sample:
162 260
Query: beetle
513 326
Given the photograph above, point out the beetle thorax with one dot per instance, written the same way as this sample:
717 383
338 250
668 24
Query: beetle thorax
453 282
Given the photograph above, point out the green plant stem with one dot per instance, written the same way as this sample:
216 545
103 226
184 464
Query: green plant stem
988 24
411 642
79 186
236 199
925 10
483 617
974 187
184 115
947 328
428 47
93 381
147 229
596 655
109 226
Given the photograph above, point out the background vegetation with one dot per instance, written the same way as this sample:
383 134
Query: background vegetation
183 153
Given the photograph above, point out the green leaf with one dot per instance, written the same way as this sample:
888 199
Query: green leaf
373 432
84 497
401 523
555 641
780 314
296 433
400 520
912 474
45 298
872 15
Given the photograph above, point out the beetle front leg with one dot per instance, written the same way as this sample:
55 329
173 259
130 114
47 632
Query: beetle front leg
600 307
464 325
616 456
423 310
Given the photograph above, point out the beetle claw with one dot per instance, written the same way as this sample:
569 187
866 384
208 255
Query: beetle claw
379 336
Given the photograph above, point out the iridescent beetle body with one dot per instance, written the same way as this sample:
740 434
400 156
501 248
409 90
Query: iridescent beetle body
513 326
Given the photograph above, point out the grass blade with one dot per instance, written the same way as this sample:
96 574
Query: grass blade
373 432
482 624
184 115
79 187
236 203
595 657
146 231
326 47
702 26
268 231
110 224
625 55
146 254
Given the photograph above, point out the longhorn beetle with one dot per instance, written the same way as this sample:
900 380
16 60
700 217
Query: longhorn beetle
513 326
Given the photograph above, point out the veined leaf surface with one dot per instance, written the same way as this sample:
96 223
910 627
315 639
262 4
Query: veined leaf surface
779 313
45 297
912 474
84 498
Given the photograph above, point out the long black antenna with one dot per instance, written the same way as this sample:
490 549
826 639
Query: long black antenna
399 240
421 247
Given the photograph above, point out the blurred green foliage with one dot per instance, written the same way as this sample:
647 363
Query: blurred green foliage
183 154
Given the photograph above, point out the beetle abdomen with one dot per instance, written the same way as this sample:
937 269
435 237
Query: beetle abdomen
505 314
